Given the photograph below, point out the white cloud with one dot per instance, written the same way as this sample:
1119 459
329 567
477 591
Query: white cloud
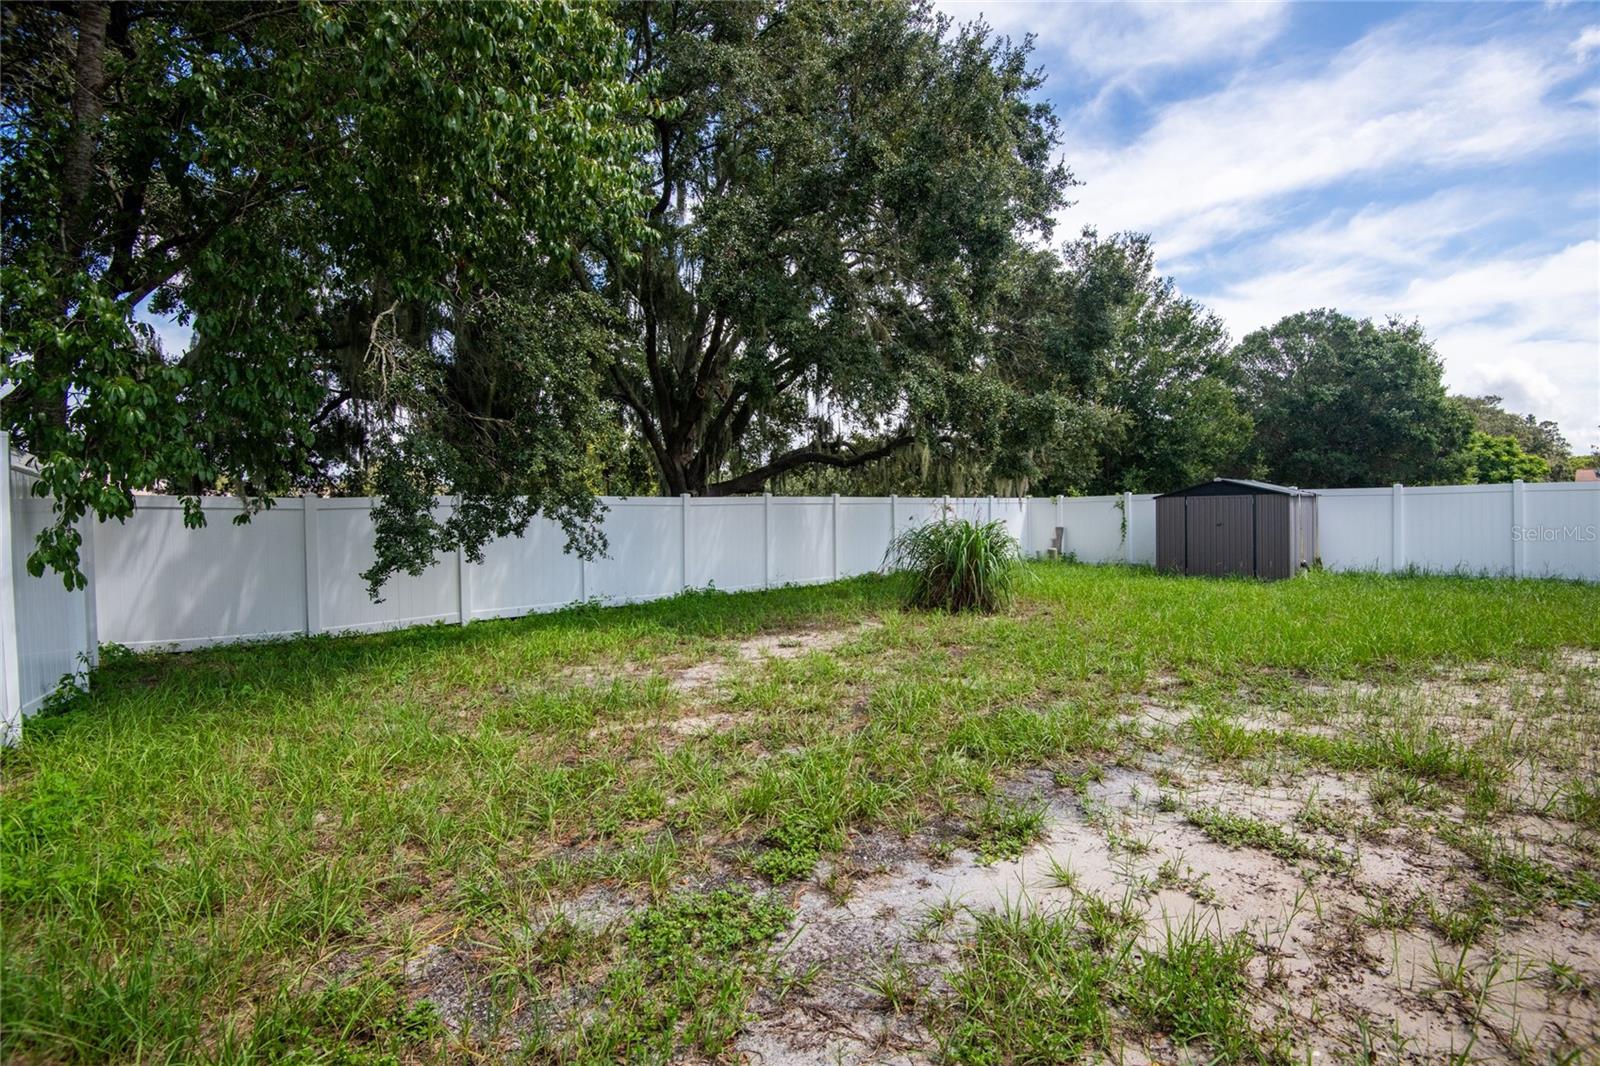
1525 326
1214 166
1246 191
1120 41
1588 41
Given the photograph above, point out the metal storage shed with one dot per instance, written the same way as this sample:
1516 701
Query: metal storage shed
1235 526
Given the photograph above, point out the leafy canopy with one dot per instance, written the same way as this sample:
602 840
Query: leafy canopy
837 188
1497 460
1342 402
328 195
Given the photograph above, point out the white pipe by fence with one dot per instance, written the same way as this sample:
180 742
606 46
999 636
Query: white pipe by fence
295 568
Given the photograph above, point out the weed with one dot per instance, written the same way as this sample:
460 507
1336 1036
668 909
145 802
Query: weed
1060 874
1004 829
1239 830
895 984
685 979
1464 925
1194 988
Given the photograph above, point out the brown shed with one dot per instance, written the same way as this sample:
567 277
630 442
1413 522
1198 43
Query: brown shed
1235 526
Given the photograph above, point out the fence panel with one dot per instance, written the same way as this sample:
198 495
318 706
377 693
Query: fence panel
1355 529
1142 529
1463 528
46 635
1093 527
863 534
728 543
522 575
644 552
1559 531
802 539
341 539
160 584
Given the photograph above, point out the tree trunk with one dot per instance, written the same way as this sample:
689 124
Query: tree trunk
77 165
77 205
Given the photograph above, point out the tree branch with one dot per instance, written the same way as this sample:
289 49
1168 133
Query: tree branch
753 480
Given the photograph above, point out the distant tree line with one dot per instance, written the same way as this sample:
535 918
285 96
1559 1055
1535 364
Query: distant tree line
525 254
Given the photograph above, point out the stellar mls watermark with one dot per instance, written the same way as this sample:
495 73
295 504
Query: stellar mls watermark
1550 534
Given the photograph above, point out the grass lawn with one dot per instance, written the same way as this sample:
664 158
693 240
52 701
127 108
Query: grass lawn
1140 815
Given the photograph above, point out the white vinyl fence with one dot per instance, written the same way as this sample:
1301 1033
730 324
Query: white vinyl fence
1519 530
47 633
295 568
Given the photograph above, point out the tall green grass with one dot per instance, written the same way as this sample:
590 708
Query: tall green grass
232 854
958 565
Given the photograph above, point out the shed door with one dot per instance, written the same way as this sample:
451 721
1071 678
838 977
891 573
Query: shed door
1170 533
1221 535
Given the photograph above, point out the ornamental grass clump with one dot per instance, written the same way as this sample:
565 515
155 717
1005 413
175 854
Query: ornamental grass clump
958 565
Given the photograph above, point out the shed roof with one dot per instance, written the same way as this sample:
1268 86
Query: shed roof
1236 486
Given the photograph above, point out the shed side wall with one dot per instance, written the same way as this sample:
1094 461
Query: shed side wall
1275 540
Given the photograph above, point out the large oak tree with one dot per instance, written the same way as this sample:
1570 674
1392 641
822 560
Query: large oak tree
836 187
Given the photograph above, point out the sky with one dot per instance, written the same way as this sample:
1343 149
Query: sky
1438 162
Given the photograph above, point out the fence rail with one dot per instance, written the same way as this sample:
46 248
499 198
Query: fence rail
295 568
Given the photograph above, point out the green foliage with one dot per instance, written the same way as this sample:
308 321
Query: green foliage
684 981
1339 402
1542 438
792 849
1240 831
1155 365
1038 987
1004 829
959 565
1499 460
708 927
1028 990
363 1021
839 187
1195 988
217 165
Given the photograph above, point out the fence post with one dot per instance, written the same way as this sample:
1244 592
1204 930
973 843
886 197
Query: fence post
836 536
684 562
1397 528
10 655
463 590
1127 527
766 540
944 509
991 510
1519 521
894 516
91 622
1061 524
309 502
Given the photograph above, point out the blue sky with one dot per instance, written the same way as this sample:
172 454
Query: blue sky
1437 161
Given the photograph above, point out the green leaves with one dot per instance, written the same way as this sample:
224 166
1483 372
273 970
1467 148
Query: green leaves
276 181
1498 460
836 187
1341 402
